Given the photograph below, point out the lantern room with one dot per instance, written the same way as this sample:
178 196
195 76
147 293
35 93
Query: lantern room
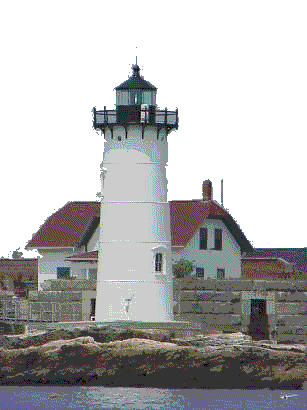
136 91
135 97
135 104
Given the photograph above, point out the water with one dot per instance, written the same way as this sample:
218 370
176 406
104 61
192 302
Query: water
90 398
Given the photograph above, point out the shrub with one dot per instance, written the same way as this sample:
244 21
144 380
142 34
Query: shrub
183 268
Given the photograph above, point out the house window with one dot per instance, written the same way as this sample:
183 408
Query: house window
218 239
203 238
220 275
200 272
158 262
63 273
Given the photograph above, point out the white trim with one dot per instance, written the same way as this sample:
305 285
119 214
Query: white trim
157 248
126 280
51 247
135 202
119 240
82 260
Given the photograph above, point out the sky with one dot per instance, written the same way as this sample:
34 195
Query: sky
236 70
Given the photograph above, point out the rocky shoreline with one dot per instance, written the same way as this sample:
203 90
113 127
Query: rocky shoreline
117 357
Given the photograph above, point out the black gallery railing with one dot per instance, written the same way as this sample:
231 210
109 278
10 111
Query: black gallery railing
125 116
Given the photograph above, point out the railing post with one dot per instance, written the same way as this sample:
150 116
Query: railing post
94 113
105 115
177 118
165 116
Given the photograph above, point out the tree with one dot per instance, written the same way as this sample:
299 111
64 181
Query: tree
183 268
298 275
17 255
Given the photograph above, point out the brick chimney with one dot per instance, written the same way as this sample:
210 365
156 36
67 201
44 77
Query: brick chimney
207 190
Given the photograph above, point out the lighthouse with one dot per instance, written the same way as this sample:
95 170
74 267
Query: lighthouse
134 278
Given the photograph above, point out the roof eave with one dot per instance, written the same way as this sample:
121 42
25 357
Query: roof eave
236 232
52 247
89 231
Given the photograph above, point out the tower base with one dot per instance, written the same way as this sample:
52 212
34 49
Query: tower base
135 300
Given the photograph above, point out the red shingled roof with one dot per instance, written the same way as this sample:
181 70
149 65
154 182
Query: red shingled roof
187 216
298 256
73 224
68 226
19 269
93 256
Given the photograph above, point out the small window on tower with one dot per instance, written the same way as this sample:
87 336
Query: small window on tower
158 263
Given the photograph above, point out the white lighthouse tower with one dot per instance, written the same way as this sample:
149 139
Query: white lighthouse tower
134 280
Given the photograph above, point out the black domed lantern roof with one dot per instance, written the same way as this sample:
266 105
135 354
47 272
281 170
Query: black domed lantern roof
136 81
135 91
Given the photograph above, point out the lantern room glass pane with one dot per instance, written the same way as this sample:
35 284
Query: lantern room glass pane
135 97
122 98
147 97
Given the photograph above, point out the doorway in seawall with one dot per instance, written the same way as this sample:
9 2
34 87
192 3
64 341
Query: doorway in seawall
259 323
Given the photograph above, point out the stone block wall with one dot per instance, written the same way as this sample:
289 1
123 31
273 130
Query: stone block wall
211 309
291 308
226 305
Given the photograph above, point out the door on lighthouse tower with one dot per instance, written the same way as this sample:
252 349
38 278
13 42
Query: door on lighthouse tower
93 309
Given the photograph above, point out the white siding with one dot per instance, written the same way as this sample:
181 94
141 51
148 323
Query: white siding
93 244
228 258
82 270
49 262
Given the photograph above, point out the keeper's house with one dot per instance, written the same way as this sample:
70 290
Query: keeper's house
202 231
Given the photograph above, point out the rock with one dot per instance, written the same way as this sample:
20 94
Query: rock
149 363
214 340
99 333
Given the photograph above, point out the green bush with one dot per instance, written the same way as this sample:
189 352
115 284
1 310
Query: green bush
183 268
